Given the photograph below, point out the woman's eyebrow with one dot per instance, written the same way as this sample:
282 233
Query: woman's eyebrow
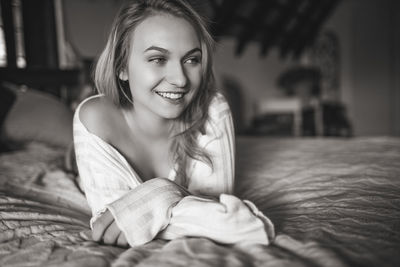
165 51
157 48
194 50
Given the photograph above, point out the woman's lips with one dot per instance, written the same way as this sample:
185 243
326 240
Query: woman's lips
171 95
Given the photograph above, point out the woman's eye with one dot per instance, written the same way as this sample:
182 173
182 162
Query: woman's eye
193 60
157 60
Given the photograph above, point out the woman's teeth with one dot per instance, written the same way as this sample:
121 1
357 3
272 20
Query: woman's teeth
173 96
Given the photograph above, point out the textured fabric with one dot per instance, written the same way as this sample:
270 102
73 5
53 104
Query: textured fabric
141 210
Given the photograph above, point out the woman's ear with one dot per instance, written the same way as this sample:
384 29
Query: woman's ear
123 75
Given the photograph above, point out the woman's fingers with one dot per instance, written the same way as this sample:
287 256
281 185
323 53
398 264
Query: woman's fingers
111 235
122 242
101 225
106 229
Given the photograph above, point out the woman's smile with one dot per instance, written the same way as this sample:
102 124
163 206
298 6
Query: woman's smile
174 96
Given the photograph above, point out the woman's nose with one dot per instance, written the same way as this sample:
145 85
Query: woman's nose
176 75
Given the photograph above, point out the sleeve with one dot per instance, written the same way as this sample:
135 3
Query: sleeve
219 143
228 220
146 210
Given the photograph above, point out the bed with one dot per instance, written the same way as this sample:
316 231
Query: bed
334 202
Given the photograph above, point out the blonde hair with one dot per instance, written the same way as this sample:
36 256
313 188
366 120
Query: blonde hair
114 58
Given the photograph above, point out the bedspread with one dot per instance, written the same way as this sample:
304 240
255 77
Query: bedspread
334 202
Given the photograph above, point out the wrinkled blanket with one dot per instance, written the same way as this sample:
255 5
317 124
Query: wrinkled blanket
334 202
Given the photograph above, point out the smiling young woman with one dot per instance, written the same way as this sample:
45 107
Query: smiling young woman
158 133
164 75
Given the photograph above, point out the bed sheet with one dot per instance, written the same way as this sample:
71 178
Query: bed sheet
334 202
334 196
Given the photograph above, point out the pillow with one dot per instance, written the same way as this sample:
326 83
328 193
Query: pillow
37 116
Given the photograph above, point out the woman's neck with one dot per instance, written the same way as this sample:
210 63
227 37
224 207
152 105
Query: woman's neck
148 124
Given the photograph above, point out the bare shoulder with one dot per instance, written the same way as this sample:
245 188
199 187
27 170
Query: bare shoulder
99 115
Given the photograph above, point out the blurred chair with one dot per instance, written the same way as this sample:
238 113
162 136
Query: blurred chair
279 113
283 106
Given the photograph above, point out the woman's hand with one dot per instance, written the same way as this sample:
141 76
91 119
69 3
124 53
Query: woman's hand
106 229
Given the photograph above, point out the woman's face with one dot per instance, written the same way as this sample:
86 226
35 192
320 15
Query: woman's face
164 65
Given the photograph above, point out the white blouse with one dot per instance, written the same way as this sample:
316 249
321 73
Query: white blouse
145 210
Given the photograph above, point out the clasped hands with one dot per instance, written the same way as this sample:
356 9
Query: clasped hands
105 229
228 221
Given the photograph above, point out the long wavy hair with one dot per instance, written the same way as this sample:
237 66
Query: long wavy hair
114 59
